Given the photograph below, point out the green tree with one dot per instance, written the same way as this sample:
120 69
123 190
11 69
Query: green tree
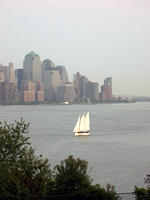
71 176
22 173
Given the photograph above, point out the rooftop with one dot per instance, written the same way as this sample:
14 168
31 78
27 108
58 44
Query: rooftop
32 53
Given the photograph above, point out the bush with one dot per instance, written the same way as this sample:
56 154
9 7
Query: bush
142 193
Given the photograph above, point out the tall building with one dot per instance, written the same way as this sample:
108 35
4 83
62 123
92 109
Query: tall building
76 79
39 92
47 65
92 91
32 67
52 77
79 85
12 77
9 93
51 81
65 93
4 69
63 73
2 77
19 75
106 90
27 94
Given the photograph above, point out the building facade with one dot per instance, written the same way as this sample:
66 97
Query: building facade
65 93
32 67
92 91
106 90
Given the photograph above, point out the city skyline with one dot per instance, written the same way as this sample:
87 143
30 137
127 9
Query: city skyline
99 39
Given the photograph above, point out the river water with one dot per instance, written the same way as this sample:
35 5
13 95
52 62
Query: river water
118 149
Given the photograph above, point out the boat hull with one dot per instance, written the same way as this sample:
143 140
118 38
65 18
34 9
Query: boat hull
81 133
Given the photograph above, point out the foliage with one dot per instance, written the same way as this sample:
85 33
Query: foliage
96 192
22 173
142 193
13 140
71 176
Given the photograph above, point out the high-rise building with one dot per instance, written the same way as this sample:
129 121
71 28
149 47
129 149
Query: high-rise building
12 77
4 69
65 93
52 77
19 75
63 73
106 90
92 91
79 85
76 79
51 81
39 92
27 94
2 77
32 67
47 65
9 92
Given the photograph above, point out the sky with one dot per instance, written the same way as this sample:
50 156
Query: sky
98 38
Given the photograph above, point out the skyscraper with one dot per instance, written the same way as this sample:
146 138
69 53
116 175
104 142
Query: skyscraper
63 73
19 75
92 91
4 69
32 67
106 90
52 77
12 77
65 93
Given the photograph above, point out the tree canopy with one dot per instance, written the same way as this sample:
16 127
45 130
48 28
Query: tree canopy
24 175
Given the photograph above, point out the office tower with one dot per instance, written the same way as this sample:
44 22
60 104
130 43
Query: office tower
83 80
106 90
47 65
76 79
2 77
27 94
79 85
65 93
51 81
4 69
19 75
52 77
9 92
39 92
32 67
12 77
92 91
63 73
108 82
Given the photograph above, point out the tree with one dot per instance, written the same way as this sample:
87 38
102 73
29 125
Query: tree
22 173
71 176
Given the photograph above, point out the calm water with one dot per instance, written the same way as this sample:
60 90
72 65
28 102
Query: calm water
118 149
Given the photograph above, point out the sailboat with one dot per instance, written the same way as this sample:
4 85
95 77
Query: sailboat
82 126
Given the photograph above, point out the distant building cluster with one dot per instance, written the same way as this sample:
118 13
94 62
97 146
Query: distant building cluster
41 82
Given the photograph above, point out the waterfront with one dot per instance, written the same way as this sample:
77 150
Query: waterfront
118 148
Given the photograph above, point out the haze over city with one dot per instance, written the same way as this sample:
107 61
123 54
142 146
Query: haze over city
97 38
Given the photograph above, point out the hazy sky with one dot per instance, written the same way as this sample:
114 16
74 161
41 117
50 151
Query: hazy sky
99 38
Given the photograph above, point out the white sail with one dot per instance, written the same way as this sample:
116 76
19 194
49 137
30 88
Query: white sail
77 126
87 122
82 123
82 126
